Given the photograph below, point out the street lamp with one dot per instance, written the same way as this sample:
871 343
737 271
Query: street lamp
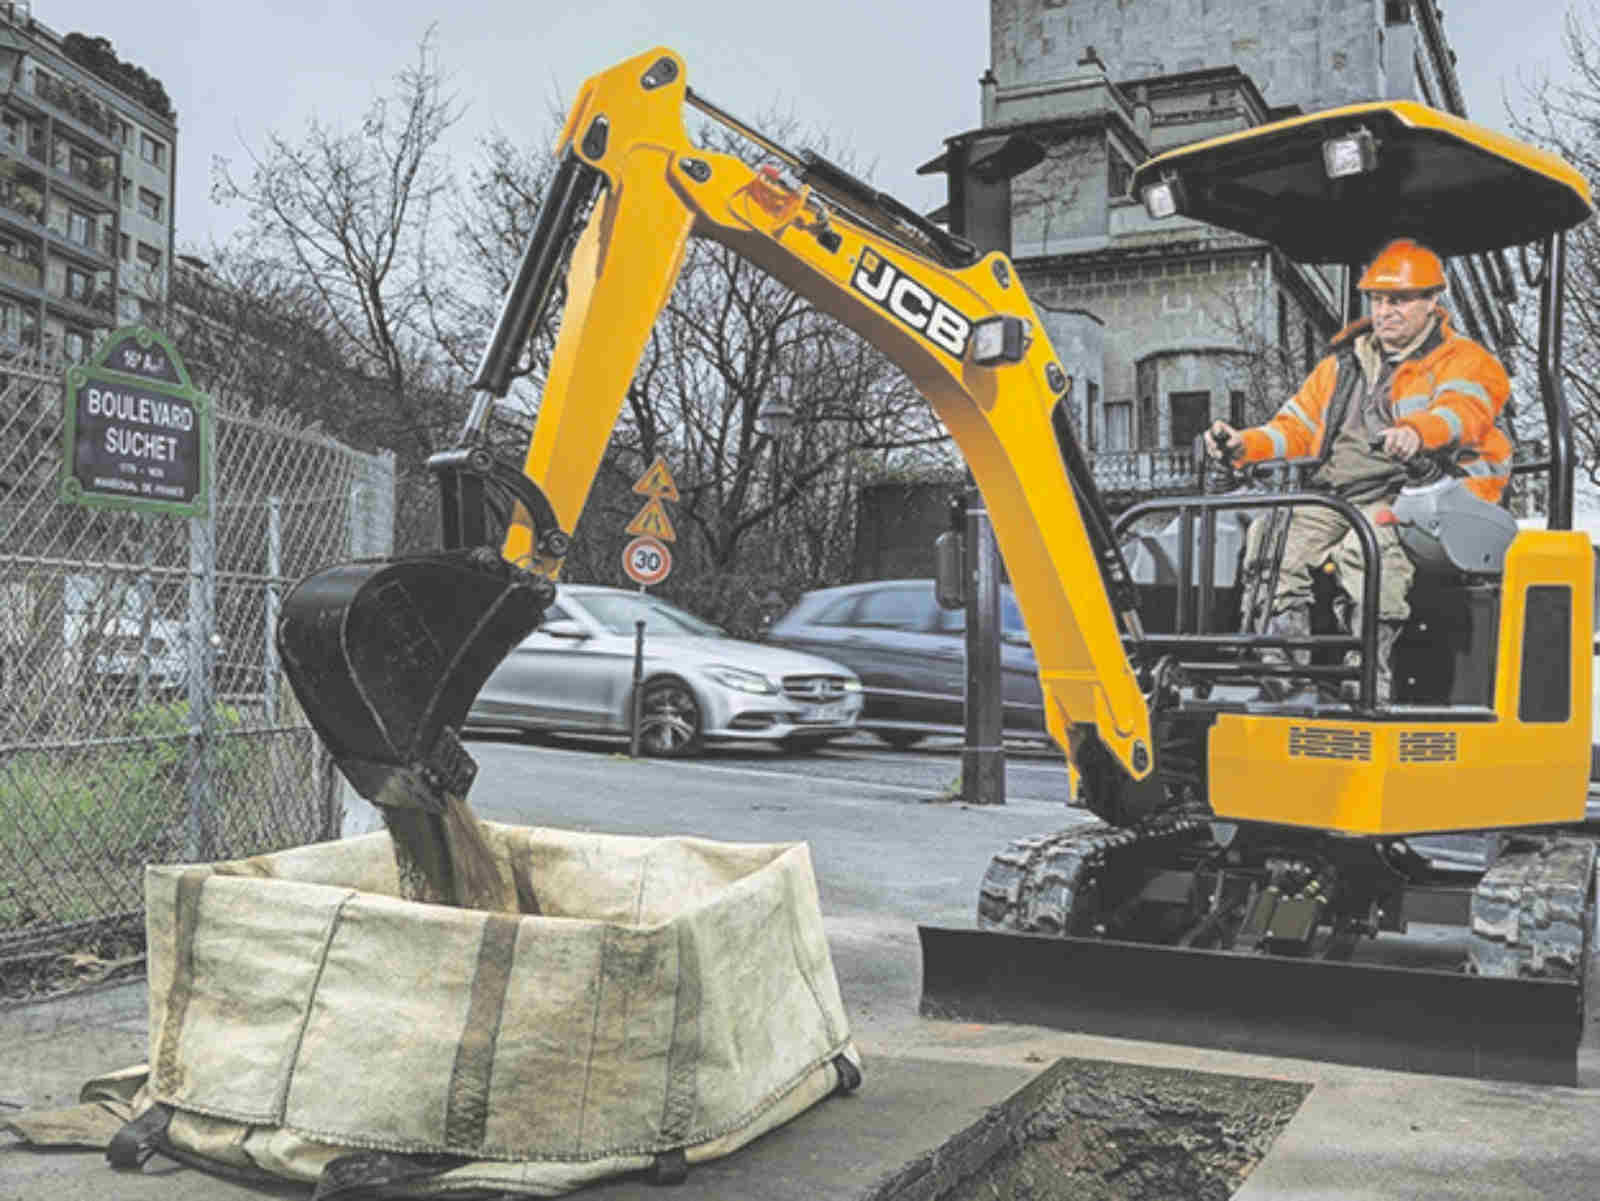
775 417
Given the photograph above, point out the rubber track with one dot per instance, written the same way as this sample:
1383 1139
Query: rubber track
1031 886
1532 911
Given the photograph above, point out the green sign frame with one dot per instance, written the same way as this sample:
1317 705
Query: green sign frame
136 434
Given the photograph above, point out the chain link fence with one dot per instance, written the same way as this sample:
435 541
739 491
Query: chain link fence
144 716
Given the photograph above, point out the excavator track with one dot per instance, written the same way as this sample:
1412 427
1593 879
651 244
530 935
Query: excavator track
1533 910
1036 885
1048 951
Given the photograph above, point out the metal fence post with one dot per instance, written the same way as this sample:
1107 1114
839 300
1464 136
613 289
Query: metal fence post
200 814
272 605
144 590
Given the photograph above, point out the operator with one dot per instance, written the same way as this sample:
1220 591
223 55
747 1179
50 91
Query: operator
1394 384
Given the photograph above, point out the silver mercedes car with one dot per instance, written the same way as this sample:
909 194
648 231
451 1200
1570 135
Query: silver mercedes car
575 674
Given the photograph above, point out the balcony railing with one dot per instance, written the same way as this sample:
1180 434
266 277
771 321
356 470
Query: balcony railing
94 177
75 102
21 271
1144 471
99 300
28 202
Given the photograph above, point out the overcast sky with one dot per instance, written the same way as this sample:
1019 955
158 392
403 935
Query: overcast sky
888 78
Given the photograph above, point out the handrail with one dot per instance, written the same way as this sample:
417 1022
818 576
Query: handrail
1207 507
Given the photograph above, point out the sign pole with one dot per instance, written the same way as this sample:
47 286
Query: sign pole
635 700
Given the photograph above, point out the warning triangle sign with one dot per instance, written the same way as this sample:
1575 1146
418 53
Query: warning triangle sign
652 520
657 481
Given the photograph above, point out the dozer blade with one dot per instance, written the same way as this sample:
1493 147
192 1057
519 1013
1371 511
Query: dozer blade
386 657
1405 1019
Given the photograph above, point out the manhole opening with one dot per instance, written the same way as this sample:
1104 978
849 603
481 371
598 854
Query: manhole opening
1094 1131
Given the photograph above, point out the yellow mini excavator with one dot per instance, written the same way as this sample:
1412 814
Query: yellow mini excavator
1244 853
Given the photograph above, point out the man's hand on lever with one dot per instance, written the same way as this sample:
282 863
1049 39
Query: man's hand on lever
1401 441
1223 442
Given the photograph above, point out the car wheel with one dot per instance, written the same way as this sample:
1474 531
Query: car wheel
669 720
804 744
901 740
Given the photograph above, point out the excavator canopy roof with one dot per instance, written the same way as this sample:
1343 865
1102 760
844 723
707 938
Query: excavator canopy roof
1454 186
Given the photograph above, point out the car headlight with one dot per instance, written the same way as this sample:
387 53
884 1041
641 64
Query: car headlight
852 685
741 680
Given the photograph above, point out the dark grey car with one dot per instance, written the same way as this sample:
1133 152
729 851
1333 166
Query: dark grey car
911 657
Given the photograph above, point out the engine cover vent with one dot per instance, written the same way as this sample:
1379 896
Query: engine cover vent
1427 746
1328 742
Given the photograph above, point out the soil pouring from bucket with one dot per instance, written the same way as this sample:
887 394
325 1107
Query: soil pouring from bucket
1090 1131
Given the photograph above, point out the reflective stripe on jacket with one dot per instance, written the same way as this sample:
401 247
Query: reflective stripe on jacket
1449 389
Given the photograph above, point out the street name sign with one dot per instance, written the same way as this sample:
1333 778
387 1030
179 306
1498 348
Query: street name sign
135 433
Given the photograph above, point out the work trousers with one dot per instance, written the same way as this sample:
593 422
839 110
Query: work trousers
1318 535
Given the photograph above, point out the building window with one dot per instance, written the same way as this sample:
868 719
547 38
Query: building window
152 151
74 343
127 192
1091 406
1119 425
149 204
78 284
125 247
124 132
78 227
1121 176
1397 12
149 256
1190 413
10 132
1146 388
1236 417
1308 351
1283 326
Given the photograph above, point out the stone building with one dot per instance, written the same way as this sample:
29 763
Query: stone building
1166 325
87 180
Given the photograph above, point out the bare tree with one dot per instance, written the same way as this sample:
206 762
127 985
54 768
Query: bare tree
352 213
1566 118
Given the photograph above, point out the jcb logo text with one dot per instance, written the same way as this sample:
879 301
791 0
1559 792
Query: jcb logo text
880 281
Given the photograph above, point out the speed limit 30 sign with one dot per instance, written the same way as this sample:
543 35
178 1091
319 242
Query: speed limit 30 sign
646 560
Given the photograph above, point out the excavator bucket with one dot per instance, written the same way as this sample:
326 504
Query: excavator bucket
1376 1015
386 657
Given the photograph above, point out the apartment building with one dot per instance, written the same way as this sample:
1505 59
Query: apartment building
87 180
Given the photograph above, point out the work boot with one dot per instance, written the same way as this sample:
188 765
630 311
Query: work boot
1289 623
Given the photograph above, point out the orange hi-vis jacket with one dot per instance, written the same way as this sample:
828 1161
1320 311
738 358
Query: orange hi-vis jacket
1449 389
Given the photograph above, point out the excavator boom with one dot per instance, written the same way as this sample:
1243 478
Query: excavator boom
631 190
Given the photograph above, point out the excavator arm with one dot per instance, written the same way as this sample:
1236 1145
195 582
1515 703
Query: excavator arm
958 324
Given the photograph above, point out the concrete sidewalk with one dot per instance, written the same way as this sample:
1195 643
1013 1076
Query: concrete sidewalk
1358 1133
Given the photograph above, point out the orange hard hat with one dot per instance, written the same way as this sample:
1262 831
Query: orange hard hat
1403 266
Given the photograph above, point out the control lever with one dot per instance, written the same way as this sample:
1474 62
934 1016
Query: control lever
1425 466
